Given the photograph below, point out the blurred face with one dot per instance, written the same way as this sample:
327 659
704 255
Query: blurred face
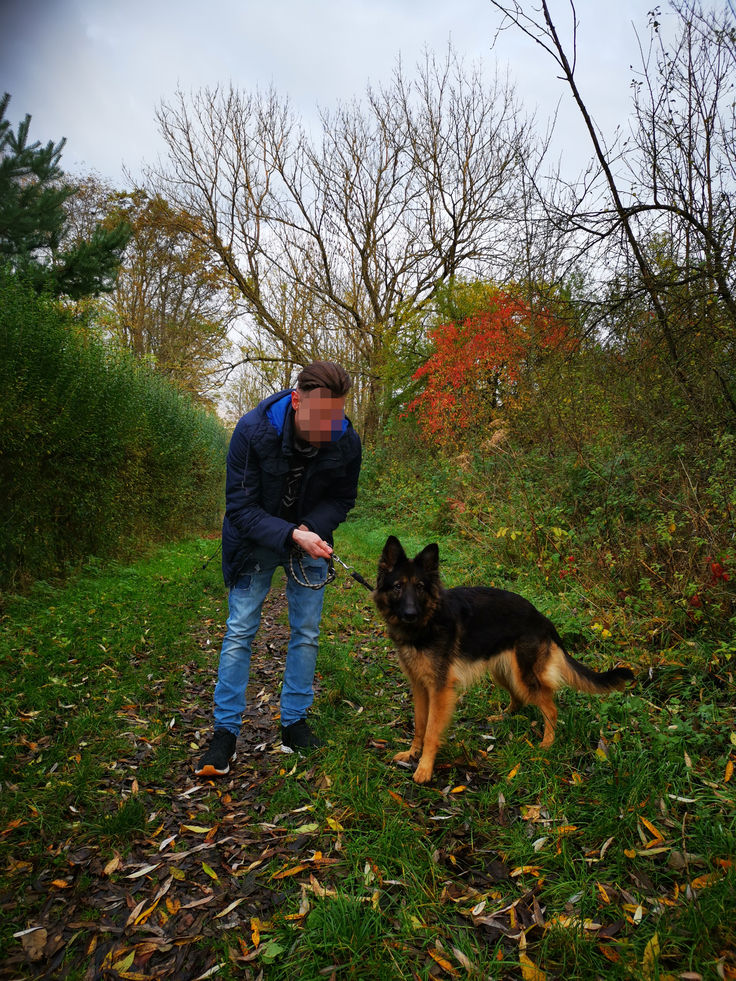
318 415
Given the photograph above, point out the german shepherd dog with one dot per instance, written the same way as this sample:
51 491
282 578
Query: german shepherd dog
449 638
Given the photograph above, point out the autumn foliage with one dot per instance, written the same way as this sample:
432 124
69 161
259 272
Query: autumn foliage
478 365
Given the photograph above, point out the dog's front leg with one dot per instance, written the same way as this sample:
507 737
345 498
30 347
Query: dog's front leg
441 707
421 708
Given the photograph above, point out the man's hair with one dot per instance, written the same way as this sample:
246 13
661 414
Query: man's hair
324 374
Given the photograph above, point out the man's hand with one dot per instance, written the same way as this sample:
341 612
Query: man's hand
311 543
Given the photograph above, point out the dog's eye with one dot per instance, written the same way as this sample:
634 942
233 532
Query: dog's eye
420 587
397 587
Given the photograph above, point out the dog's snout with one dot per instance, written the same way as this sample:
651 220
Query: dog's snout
409 611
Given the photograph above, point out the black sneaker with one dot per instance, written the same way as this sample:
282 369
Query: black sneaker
298 736
216 761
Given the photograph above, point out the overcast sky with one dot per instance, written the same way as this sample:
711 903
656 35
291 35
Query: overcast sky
94 70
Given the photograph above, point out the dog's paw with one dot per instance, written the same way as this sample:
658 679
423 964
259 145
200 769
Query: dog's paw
423 773
406 757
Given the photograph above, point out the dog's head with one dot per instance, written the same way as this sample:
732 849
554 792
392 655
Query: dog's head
407 590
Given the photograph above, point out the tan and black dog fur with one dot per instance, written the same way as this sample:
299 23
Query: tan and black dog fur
449 638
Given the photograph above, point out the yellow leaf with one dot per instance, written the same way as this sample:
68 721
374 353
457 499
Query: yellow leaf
210 872
458 790
178 874
513 772
524 869
196 829
334 824
576 778
650 958
703 881
286 872
255 929
443 963
529 970
604 894
729 772
125 963
567 829
657 834
629 853
173 905
60 883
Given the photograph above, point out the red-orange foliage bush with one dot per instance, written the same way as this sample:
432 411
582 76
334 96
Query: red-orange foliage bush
477 365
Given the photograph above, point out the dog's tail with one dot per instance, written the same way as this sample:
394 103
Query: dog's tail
577 675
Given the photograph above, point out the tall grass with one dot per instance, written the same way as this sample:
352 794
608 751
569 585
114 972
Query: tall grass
93 448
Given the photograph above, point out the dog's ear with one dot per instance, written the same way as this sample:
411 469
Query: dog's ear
393 554
429 559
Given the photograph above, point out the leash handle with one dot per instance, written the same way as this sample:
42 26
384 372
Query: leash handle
358 578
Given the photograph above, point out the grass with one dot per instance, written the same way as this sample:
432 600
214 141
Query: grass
610 855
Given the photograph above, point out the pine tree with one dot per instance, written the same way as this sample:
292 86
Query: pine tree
33 221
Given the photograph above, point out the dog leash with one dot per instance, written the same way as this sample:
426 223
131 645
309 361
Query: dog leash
331 573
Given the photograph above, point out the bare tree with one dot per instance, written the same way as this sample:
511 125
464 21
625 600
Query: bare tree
657 216
336 245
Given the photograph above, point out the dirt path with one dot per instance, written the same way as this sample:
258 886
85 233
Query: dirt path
161 910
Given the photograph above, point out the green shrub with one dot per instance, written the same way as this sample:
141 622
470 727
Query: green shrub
93 447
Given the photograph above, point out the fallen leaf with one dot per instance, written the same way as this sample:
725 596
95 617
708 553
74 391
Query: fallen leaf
650 958
17 823
196 829
284 873
230 908
113 865
703 881
513 772
271 951
529 970
209 871
443 962
144 871
648 824
531 813
729 772
34 943
125 963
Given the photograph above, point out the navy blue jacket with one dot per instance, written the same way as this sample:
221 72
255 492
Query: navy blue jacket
257 466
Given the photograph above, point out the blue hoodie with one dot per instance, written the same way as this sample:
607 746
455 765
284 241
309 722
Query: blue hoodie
257 466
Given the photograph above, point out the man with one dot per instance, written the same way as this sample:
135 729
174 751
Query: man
292 477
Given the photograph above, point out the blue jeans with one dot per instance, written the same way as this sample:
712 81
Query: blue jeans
245 601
